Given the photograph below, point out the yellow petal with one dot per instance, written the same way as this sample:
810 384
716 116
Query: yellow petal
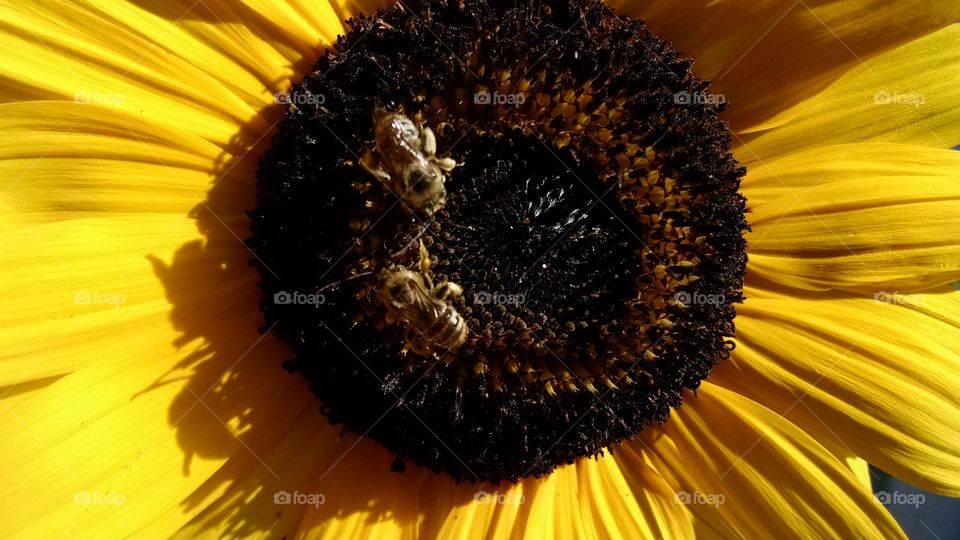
205 69
11 395
120 443
907 95
74 288
789 177
876 379
498 512
554 507
61 160
301 20
650 512
266 492
467 511
120 426
364 499
152 412
94 62
861 469
863 217
766 56
79 229
602 498
762 473
121 342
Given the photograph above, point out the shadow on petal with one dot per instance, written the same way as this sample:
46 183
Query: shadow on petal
239 405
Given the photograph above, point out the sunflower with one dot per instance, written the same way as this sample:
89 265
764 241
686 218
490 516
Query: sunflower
196 341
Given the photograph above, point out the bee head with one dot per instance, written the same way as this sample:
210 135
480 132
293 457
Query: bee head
398 286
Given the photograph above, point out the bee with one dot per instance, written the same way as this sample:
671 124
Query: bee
411 297
405 161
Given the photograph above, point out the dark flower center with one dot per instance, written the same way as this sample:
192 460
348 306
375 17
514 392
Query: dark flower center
593 224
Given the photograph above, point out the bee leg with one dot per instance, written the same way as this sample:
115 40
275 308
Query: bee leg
423 350
408 342
425 267
384 24
415 343
429 142
398 254
446 164
344 280
366 161
446 289
424 260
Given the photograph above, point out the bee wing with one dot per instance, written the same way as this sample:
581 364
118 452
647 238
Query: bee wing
422 310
